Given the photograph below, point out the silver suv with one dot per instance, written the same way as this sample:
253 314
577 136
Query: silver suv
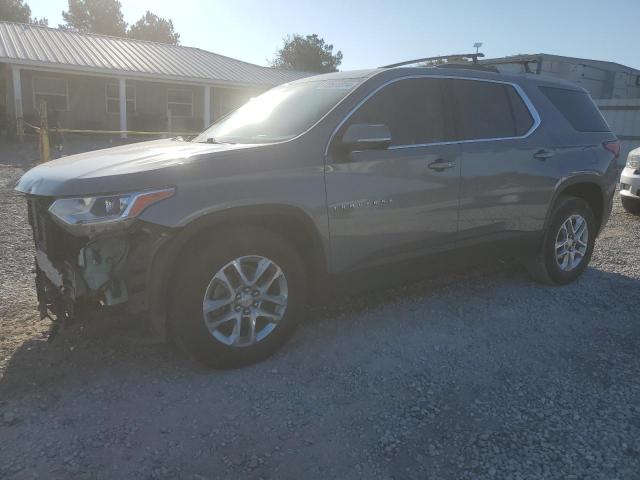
219 239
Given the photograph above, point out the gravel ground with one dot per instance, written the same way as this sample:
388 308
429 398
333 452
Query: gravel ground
474 376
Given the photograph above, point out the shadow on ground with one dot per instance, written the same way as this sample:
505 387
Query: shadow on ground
94 349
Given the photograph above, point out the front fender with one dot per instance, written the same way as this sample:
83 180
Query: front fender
165 260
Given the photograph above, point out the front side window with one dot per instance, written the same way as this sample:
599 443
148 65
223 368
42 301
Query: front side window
52 90
486 110
279 114
180 102
413 110
112 93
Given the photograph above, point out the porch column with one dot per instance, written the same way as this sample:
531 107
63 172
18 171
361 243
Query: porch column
17 99
207 106
122 83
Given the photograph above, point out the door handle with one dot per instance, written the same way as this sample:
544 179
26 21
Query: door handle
440 165
543 154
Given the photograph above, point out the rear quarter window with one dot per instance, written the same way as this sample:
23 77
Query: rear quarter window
578 108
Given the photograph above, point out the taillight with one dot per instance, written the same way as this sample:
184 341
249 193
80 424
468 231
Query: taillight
613 147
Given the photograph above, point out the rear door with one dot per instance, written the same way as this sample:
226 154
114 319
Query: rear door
508 170
402 201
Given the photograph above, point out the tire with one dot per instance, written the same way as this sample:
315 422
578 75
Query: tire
630 205
545 267
204 260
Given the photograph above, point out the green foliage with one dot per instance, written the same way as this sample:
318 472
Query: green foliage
105 17
156 29
308 53
14 11
18 11
95 16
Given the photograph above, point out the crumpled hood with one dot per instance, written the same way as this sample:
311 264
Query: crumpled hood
105 170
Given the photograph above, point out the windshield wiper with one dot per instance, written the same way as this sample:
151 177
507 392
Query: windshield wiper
214 141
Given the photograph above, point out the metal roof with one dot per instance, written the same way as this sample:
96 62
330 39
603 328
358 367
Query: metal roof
537 56
34 45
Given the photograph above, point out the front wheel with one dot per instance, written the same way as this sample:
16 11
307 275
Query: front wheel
567 245
237 299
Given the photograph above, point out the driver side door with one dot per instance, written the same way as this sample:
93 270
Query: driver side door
389 204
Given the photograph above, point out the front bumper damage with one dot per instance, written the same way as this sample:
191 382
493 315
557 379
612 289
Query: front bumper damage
80 277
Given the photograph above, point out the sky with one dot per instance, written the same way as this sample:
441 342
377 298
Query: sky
374 33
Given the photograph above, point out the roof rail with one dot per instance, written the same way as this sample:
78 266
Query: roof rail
473 56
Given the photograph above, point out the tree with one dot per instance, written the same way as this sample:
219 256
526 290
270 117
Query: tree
308 53
156 29
17 11
95 16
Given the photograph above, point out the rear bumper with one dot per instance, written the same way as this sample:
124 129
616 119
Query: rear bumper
630 183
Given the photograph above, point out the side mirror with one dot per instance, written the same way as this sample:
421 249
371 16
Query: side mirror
364 136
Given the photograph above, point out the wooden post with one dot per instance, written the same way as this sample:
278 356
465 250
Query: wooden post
45 153
169 123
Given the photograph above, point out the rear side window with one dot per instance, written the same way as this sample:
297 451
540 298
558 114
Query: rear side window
486 110
577 108
413 109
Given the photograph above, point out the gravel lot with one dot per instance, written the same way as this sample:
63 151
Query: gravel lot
481 375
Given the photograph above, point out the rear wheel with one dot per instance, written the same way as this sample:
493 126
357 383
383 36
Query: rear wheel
237 300
631 205
567 245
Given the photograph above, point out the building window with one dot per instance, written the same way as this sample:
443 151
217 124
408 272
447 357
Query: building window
112 93
54 91
180 102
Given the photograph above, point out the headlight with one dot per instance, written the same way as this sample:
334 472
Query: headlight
105 210
633 162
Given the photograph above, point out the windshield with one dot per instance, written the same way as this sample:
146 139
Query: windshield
279 114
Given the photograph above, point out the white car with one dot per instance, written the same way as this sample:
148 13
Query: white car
630 183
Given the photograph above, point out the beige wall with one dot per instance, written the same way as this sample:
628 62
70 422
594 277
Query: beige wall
88 110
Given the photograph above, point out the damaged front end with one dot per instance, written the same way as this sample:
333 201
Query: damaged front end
92 256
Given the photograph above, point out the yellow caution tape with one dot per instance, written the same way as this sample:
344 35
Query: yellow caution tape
37 129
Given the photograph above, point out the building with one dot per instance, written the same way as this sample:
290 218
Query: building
99 82
603 80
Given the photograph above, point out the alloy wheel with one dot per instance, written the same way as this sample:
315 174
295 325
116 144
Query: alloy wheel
245 300
572 242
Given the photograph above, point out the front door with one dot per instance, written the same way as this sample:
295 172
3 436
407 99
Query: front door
395 203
